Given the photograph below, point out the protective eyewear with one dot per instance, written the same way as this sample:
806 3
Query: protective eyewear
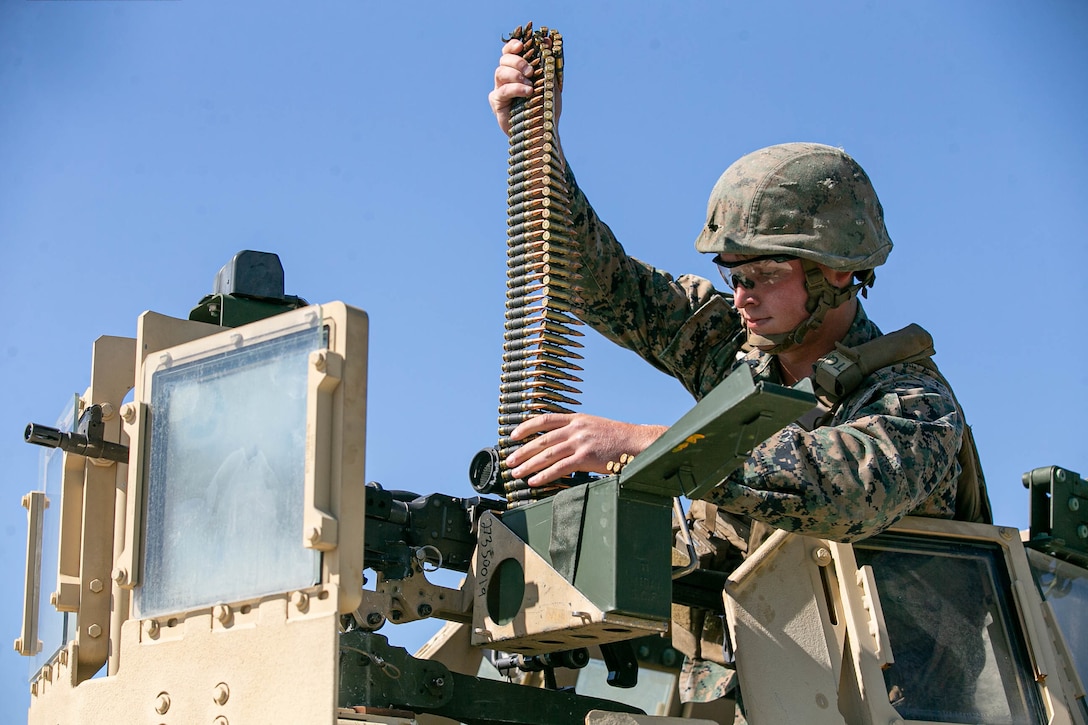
768 269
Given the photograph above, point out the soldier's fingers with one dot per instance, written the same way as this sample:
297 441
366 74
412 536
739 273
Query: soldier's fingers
513 80
541 424
515 63
563 467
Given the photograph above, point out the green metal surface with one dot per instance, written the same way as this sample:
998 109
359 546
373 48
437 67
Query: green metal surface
715 437
624 565
375 674
231 311
1059 513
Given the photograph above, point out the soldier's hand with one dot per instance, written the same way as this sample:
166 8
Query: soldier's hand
513 79
578 442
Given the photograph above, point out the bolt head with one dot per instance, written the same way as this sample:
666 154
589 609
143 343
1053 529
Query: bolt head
94 631
821 555
95 585
128 413
1074 503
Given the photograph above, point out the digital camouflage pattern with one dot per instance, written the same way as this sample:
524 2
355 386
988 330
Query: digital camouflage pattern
805 200
889 450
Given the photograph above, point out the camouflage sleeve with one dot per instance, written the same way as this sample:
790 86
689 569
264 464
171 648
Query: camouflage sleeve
890 452
681 326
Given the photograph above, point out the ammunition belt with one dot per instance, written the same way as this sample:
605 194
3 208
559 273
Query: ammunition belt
537 369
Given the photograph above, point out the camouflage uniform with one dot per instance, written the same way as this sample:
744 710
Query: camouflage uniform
885 450
889 449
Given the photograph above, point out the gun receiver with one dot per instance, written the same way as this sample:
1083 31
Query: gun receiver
437 530
86 441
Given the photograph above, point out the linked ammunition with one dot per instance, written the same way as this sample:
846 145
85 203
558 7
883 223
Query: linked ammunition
542 371
536 339
536 382
544 325
536 395
544 359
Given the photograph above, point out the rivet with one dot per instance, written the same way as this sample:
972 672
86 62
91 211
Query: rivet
821 556
220 720
1082 531
162 703
221 694
1074 503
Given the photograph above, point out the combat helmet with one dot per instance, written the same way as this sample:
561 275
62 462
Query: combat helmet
803 200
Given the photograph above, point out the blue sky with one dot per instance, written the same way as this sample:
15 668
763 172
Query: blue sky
142 144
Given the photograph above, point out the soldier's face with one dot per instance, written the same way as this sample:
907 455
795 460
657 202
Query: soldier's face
770 296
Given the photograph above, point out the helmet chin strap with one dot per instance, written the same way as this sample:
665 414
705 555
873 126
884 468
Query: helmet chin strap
822 297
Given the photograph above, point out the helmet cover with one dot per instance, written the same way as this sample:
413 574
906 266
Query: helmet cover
805 200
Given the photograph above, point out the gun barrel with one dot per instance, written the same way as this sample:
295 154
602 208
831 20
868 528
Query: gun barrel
78 443
43 435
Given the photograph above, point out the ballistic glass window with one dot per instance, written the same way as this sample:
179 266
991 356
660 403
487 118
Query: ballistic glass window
54 628
958 654
225 480
1064 585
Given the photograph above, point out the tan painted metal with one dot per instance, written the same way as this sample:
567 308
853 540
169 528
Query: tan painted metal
810 637
553 614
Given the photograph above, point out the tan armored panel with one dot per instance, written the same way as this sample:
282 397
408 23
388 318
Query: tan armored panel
210 635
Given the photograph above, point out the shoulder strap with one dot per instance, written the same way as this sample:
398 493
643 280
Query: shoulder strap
842 371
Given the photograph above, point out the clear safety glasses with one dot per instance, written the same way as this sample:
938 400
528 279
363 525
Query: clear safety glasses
766 270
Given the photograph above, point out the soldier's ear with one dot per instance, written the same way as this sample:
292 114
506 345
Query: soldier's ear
838 278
